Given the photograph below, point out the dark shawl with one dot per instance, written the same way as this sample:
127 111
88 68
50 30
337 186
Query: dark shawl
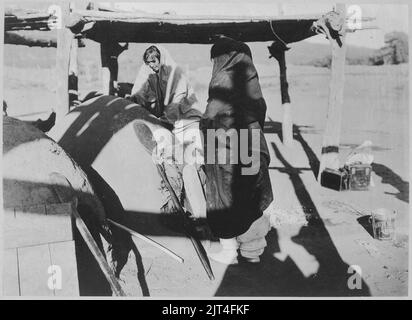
235 201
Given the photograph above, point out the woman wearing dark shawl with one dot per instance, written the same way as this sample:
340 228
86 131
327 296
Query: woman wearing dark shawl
235 200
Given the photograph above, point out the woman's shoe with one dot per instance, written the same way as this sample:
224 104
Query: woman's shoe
228 254
228 257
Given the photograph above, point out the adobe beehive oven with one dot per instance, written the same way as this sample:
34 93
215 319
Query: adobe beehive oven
38 231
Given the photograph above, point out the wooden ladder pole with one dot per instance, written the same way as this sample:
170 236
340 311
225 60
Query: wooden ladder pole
104 266
148 240
60 185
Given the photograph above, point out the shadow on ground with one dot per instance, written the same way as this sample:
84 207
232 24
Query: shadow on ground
390 177
270 278
298 131
283 278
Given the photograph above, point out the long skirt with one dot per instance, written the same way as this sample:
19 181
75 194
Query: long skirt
235 198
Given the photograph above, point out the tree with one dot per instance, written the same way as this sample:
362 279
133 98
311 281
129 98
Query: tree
395 50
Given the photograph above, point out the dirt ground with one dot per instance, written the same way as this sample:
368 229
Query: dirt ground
316 258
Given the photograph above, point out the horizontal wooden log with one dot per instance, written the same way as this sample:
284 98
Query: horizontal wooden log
95 15
23 19
31 38
168 28
127 27
163 32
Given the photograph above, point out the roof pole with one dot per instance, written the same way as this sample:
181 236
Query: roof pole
277 50
109 53
64 37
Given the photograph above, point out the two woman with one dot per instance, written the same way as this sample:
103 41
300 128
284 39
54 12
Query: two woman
236 195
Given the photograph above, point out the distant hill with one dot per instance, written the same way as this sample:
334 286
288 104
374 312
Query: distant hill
305 52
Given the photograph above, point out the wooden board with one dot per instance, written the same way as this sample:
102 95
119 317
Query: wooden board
34 263
10 273
63 255
40 246
43 270
36 225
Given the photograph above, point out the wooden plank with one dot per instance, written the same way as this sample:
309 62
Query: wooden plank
34 263
331 137
148 240
37 225
10 276
64 37
63 255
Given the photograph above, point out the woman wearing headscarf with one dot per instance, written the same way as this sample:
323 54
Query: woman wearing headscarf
235 199
162 87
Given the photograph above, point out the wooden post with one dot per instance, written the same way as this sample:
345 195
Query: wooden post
106 75
331 138
64 38
73 79
73 69
277 50
109 52
2 255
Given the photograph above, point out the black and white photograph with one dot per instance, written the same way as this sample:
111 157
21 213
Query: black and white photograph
183 149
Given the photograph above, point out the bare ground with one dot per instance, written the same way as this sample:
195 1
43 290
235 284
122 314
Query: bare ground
300 260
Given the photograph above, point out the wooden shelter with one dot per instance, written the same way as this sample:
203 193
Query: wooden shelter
110 28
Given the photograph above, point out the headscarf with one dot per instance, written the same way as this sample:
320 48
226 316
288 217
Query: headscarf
234 89
169 87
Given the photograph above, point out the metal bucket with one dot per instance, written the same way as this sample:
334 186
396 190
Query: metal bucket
383 224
